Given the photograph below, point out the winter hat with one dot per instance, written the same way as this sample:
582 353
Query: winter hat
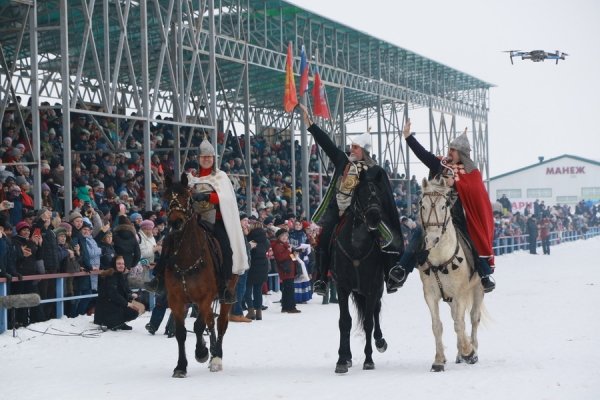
147 224
86 225
21 180
74 215
66 226
363 140
60 231
22 225
135 216
45 187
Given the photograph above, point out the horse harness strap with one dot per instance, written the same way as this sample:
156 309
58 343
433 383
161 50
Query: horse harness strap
443 268
183 271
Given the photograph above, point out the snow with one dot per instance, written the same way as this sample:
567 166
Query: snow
540 341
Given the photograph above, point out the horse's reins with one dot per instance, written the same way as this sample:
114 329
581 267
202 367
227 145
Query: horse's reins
443 267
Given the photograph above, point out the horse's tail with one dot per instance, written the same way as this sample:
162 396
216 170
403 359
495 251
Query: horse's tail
360 302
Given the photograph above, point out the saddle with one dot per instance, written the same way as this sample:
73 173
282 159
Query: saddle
213 244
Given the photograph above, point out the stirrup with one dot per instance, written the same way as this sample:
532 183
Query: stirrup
394 282
155 285
488 284
320 287
227 297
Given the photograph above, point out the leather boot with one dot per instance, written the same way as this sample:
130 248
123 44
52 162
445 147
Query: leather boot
251 314
227 295
258 312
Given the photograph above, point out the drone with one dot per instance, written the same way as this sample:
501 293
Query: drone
537 55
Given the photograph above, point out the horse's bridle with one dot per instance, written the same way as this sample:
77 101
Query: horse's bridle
361 211
443 223
176 204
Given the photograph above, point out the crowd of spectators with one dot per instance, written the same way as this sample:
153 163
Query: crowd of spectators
539 222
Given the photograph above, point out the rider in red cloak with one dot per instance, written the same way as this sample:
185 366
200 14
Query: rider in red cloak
471 213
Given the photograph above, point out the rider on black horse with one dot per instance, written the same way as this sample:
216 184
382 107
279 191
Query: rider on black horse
214 192
350 171
471 212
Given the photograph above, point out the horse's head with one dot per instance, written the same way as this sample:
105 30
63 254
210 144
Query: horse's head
434 210
368 205
179 198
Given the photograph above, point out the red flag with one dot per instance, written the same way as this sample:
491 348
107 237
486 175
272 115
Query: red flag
303 72
319 101
290 99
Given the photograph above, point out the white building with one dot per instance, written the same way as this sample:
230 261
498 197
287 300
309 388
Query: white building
565 179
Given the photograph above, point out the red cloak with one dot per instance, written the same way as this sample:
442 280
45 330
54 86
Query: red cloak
478 211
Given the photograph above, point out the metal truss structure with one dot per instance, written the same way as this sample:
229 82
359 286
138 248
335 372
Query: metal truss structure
212 65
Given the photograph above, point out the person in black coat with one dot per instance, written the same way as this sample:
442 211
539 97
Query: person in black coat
259 267
532 231
126 243
51 257
114 306
105 242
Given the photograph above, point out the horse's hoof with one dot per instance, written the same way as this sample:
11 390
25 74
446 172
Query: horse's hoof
368 365
178 373
470 359
342 367
216 364
381 345
437 368
202 356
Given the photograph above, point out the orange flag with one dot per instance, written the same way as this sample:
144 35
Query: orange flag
290 98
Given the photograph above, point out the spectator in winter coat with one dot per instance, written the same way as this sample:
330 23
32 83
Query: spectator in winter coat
532 231
287 270
114 306
259 268
50 256
125 241
27 255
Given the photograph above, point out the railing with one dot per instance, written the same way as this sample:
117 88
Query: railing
60 298
511 244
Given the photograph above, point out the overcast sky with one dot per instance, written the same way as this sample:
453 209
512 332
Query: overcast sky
537 109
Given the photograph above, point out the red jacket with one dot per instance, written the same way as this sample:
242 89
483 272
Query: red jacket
286 267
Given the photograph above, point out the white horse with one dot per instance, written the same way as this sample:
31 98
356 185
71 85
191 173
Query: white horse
448 273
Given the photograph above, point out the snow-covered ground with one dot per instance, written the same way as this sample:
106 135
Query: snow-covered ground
541 341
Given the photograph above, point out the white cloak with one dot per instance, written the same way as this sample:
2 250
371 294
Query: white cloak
221 184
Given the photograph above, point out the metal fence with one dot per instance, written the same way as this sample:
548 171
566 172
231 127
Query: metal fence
511 244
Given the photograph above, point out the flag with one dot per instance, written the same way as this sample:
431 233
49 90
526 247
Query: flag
303 72
319 101
290 99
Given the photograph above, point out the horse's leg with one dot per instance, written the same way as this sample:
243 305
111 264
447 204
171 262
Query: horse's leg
368 323
178 310
380 343
476 316
437 327
201 349
345 324
477 294
216 346
463 343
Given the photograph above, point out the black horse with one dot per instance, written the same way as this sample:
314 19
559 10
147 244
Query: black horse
358 271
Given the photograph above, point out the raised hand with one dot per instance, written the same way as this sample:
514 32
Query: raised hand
406 129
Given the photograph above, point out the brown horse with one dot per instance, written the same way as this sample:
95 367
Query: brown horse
190 277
